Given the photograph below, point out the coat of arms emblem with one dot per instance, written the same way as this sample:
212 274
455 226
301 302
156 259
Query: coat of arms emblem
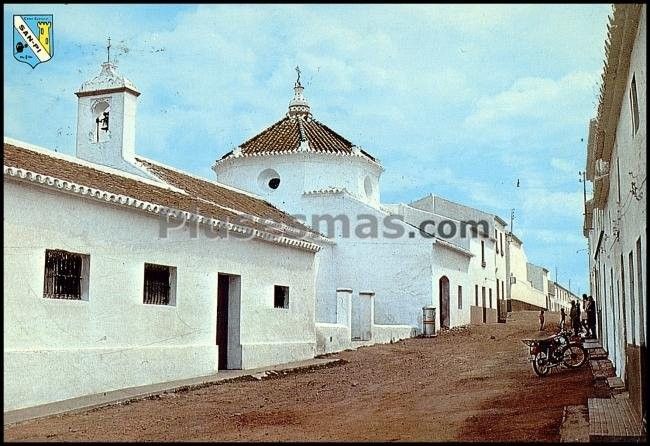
33 38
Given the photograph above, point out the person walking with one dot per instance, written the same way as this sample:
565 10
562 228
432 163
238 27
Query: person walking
574 315
562 319
591 317
541 320
583 314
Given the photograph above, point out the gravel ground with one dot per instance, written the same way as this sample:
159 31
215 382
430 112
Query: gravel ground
467 384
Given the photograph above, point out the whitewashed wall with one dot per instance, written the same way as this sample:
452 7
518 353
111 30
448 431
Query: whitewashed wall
455 266
397 270
629 217
302 172
119 147
500 259
56 349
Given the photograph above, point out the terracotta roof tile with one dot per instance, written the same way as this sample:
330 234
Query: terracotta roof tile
286 135
207 190
202 197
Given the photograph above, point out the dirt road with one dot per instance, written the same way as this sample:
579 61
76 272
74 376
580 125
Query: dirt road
473 384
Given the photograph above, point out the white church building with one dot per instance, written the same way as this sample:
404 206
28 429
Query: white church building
98 297
121 271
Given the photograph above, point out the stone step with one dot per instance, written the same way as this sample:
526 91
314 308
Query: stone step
616 385
613 419
592 343
597 353
602 368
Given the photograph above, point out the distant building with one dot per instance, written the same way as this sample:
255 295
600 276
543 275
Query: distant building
560 297
528 282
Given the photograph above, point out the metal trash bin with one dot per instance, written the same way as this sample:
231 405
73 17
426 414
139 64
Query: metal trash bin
429 322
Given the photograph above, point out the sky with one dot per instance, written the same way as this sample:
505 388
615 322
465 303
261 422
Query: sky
462 101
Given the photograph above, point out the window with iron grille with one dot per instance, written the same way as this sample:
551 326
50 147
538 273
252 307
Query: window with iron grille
281 297
66 275
159 284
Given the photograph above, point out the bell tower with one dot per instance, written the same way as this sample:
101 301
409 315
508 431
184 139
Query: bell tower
106 119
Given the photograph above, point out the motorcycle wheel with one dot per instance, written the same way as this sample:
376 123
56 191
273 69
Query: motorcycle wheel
575 356
540 364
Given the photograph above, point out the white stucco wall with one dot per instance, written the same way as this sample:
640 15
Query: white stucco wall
302 172
456 267
398 270
500 260
58 349
623 310
522 290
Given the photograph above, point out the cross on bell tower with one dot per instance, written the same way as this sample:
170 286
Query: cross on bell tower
299 107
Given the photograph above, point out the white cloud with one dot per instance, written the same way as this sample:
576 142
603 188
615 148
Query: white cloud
555 237
538 101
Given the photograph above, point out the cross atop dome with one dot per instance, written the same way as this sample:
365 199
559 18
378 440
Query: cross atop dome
298 107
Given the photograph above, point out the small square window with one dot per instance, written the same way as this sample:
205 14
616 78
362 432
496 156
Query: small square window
281 297
66 275
159 284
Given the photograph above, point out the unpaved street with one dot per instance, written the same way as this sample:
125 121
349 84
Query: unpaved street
462 385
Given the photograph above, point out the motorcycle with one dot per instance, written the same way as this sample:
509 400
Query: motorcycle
556 350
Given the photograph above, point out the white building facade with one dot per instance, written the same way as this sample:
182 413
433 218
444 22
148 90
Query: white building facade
615 217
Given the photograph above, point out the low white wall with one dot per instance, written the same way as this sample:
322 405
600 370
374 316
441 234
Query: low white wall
332 338
524 292
263 354
33 377
383 334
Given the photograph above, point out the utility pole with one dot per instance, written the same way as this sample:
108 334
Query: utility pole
508 265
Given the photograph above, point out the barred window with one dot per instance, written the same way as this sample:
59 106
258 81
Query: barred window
66 275
281 297
159 284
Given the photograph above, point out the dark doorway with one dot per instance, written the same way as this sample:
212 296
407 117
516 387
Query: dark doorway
443 292
223 292
483 303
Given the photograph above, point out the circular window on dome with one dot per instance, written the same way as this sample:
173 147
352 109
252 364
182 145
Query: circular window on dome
367 185
268 180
